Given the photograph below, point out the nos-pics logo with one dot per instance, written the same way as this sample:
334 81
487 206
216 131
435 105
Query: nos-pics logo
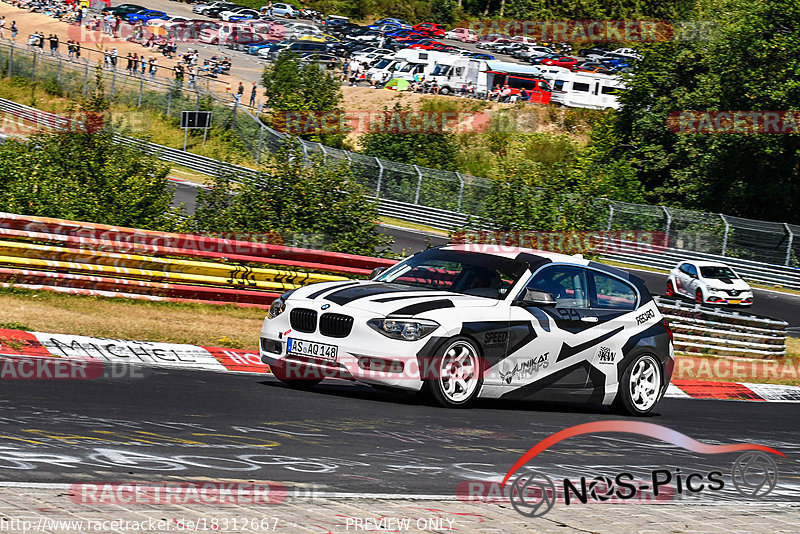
532 493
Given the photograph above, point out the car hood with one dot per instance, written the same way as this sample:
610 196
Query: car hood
382 298
727 283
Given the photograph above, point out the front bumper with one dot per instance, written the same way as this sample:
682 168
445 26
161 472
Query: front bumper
365 355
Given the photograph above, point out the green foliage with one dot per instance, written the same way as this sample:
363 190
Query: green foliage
751 62
433 150
290 86
85 177
52 87
291 197
443 12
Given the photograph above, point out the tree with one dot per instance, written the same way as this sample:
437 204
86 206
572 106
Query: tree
84 175
434 150
289 196
294 87
749 64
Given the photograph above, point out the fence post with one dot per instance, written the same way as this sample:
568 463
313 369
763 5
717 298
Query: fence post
113 83
669 220
610 216
11 59
460 190
58 73
260 142
419 184
86 78
141 90
33 67
789 244
233 115
380 177
169 98
725 237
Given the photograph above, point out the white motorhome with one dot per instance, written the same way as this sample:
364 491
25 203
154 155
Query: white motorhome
417 62
586 89
453 73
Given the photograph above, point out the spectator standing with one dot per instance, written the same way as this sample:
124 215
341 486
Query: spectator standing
2 27
53 44
77 48
135 64
239 92
114 56
41 42
345 68
129 64
143 65
253 95
192 76
153 67
14 30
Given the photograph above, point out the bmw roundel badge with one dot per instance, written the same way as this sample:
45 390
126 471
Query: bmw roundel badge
326 306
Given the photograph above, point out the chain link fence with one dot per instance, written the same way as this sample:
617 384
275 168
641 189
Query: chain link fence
708 233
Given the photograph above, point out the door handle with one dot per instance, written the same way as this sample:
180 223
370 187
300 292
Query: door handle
590 319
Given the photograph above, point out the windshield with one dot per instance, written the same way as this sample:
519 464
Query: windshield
382 63
717 272
468 273
407 67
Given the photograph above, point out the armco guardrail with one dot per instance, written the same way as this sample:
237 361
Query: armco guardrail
667 258
78 257
714 331
765 273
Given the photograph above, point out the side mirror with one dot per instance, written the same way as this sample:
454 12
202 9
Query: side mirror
377 271
534 297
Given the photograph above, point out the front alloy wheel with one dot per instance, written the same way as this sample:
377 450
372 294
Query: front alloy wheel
458 374
640 385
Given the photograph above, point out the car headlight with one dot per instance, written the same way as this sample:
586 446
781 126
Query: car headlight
278 305
715 288
406 329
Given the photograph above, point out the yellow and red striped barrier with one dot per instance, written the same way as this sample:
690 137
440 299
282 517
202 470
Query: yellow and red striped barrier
76 257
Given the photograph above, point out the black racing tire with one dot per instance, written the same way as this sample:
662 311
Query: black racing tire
449 387
638 391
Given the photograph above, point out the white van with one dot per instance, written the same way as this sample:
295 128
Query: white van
586 90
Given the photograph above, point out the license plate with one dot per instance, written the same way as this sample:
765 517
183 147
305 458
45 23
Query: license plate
312 349
734 301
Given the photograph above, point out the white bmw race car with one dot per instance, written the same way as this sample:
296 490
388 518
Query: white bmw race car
464 321
709 283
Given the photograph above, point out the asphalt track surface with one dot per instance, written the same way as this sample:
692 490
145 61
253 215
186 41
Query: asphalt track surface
344 437
775 304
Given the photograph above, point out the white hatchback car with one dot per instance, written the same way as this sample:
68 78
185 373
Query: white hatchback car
460 322
709 283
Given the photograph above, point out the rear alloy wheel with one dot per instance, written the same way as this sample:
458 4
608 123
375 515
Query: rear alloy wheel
639 386
458 374
698 296
670 289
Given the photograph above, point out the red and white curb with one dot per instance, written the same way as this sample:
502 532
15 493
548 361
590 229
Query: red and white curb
182 356
170 355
